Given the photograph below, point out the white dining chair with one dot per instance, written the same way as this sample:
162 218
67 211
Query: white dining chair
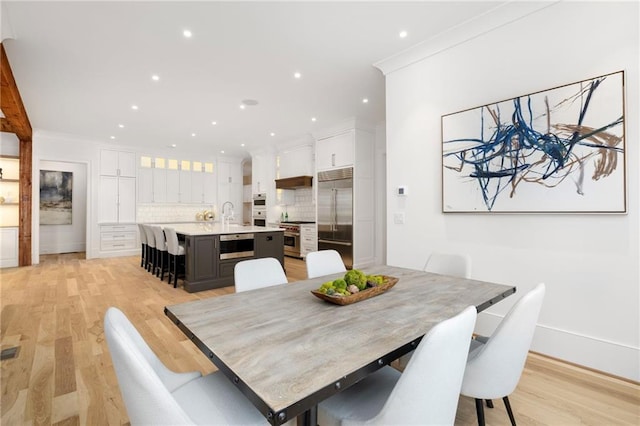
324 262
258 273
176 255
162 255
155 395
426 393
456 265
446 264
143 244
495 364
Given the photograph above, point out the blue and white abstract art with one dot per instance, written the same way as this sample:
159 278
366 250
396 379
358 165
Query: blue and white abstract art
559 150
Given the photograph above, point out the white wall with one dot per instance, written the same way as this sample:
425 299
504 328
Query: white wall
591 314
67 238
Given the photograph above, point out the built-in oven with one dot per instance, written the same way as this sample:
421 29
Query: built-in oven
291 240
236 246
259 210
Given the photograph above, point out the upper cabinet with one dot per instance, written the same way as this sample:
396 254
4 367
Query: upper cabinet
295 161
263 173
163 180
117 163
337 151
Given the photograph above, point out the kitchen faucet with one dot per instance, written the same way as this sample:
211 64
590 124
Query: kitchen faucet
224 216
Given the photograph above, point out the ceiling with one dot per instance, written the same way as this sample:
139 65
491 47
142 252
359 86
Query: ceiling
80 66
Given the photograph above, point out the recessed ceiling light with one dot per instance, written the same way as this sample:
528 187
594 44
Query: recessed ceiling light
193 135
113 137
221 152
313 119
365 100
241 144
297 75
213 123
272 134
155 77
242 106
403 34
173 145
187 33
134 107
121 126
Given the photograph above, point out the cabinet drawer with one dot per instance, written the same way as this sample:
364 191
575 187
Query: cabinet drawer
118 228
117 244
118 236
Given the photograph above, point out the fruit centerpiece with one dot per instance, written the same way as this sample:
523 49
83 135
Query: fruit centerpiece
354 287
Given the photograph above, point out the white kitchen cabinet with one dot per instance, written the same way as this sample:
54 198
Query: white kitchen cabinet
296 161
184 187
117 199
8 247
118 237
308 238
263 173
230 187
285 197
145 185
173 186
117 163
336 151
159 185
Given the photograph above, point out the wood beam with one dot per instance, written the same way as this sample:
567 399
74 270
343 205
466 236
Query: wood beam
24 208
11 102
16 121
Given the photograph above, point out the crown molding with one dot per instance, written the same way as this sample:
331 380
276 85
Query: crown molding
491 20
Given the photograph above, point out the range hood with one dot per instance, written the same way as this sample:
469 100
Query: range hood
294 182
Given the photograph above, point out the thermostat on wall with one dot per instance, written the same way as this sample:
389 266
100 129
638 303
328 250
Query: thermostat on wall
402 190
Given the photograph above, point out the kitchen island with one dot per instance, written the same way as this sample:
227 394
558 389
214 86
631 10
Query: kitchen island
212 251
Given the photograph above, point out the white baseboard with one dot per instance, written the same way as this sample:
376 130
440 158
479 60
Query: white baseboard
606 356
63 248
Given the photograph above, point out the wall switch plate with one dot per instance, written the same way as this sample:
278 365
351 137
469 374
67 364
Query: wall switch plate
398 218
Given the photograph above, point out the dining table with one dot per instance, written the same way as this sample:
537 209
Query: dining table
287 350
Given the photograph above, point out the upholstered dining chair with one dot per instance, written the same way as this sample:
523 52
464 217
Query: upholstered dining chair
258 273
495 363
151 248
176 255
457 265
324 262
162 255
426 393
155 395
143 244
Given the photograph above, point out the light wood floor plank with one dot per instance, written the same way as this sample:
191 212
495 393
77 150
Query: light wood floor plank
64 374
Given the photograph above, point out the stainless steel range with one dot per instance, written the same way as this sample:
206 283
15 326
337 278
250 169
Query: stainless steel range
291 239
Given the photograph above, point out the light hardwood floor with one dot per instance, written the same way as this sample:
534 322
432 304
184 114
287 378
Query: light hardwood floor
63 373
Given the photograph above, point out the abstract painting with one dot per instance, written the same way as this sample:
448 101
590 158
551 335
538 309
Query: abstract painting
559 150
56 194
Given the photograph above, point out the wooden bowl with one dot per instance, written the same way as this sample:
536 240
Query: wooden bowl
387 283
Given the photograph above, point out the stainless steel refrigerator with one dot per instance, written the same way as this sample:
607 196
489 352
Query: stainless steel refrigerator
335 213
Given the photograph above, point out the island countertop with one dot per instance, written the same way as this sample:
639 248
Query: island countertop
210 228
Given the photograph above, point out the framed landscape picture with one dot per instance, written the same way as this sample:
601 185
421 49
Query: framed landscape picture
559 150
56 196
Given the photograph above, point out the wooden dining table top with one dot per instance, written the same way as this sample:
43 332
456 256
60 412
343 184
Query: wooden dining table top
287 350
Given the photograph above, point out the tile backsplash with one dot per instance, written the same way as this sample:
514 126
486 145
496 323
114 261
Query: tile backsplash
159 213
304 207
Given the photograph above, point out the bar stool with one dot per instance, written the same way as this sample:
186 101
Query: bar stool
176 255
143 243
151 248
162 256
